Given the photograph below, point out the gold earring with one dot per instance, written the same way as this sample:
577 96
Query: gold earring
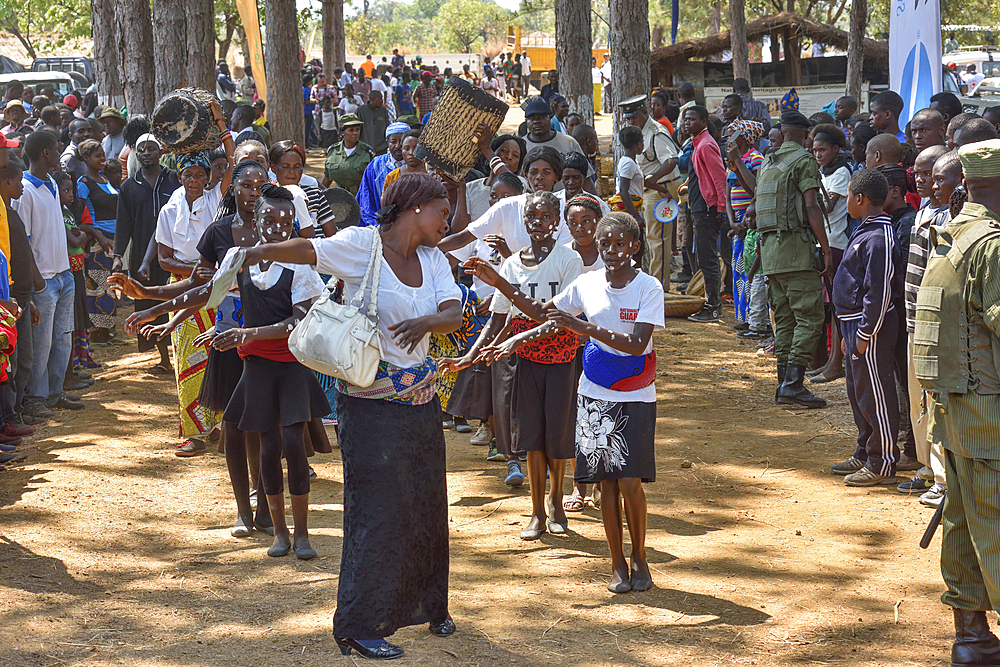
416 210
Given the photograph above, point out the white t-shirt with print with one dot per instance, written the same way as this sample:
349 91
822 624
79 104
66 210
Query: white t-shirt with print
629 168
345 255
506 218
544 281
618 311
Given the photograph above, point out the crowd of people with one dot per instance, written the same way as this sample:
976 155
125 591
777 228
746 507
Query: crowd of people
515 305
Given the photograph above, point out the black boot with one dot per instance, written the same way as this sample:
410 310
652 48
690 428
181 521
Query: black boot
974 643
791 391
781 379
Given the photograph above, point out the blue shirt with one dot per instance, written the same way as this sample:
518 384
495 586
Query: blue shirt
309 107
370 191
404 99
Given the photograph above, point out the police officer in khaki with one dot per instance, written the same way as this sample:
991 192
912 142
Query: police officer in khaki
956 358
346 160
658 162
790 224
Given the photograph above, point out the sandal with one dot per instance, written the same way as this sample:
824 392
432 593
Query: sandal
574 503
160 369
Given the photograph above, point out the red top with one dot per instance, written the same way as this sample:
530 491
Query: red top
275 349
707 163
665 122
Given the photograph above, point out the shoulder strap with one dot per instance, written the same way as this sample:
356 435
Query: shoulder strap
374 261
980 230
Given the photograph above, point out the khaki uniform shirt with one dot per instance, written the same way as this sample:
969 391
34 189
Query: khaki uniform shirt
787 250
347 170
969 424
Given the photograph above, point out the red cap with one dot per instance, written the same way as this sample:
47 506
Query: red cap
71 101
6 142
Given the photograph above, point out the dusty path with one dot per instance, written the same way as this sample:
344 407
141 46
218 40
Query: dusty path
115 552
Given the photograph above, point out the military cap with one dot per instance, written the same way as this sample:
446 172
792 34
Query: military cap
981 159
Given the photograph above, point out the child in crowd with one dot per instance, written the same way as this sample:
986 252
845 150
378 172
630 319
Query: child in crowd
629 185
931 214
829 144
758 318
76 239
113 172
947 175
867 285
741 178
327 123
901 213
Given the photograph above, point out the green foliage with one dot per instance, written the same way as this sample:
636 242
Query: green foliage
49 24
363 34
463 23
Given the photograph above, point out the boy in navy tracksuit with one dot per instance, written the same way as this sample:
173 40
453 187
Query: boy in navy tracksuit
867 291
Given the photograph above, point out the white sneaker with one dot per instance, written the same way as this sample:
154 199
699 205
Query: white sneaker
482 436
933 497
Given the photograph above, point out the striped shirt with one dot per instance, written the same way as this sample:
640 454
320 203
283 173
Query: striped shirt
916 259
739 198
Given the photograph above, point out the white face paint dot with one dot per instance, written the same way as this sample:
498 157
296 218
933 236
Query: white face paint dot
290 327
270 230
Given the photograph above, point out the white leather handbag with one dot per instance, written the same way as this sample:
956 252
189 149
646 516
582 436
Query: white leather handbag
341 340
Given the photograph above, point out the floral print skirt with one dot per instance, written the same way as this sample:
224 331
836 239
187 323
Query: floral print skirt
614 440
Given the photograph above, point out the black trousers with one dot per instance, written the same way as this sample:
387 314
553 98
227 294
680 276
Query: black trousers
871 388
707 229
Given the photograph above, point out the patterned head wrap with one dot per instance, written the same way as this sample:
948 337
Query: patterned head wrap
197 159
396 128
751 129
790 100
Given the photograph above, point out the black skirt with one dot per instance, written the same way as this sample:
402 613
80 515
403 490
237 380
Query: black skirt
81 317
543 417
222 373
472 395
394 566
272 394
614 441
145 344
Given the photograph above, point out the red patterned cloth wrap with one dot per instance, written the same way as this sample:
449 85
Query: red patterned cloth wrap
410 386
559 348
616 372
275 349
8 340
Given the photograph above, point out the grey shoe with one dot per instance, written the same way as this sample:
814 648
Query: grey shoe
933 497
868 477
707 314
847 467
482 436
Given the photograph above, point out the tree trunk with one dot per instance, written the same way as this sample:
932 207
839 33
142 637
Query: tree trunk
573 56
714 26
14 30
281 61
775 47
628 40
200 15
108 78
135 43
334 42
856 49
738 39
793 69
169 46
227 41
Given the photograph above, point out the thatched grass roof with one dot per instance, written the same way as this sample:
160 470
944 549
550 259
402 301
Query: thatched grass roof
675 55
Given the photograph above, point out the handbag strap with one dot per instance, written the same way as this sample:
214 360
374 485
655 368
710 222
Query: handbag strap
374 260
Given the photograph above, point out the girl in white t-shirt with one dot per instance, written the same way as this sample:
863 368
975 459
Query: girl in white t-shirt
543 383
616 415
630 184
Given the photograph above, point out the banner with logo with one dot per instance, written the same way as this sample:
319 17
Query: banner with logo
251 25
915 53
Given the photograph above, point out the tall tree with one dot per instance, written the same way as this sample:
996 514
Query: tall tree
629 46
281 60
227 18
738 39
573 56
200 16
109 81
793 70
856 48
334 43
169 45
135 43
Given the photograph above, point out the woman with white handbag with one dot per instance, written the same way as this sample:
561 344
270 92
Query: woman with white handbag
394 567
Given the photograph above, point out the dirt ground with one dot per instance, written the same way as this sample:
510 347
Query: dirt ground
115 552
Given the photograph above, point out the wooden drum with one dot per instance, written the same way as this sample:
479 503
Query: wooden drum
183 122
448 143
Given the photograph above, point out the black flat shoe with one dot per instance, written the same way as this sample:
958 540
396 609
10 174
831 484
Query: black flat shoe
443 628
385 651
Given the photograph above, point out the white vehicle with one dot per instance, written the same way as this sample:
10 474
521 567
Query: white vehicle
985 58
60 82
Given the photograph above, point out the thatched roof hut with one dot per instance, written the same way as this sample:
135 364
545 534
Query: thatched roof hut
676 55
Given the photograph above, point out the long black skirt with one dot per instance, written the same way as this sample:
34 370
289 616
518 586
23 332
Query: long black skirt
472 395
394 566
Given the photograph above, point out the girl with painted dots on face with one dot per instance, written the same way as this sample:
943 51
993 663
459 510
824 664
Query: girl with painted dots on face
616 404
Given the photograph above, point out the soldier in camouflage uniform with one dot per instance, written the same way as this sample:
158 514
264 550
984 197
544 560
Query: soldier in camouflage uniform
790 224
956 357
